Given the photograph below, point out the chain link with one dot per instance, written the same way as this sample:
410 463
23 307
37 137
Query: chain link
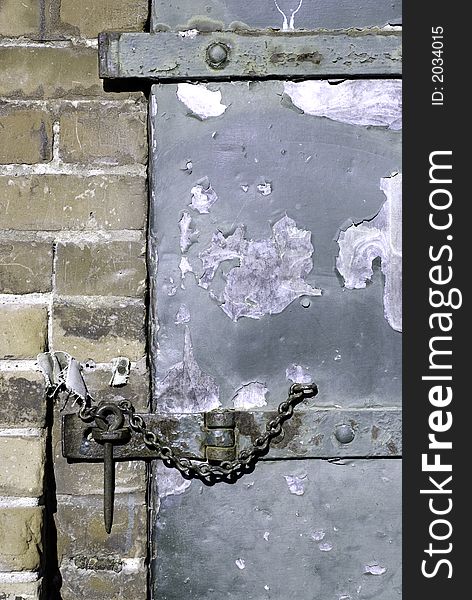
245 459
189 469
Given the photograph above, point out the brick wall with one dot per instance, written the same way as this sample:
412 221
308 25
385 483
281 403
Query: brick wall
72 277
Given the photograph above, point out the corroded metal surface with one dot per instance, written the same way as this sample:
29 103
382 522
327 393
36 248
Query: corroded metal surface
250 54
310 433
301 529
236 275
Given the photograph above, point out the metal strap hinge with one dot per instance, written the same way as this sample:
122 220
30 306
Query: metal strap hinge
250 54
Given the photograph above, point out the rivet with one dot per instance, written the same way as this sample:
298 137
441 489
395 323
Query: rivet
344 434
217 55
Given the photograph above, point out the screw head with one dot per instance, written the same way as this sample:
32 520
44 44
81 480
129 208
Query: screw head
217 55
344 434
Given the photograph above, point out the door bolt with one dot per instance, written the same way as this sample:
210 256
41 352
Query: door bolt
217 55
344 434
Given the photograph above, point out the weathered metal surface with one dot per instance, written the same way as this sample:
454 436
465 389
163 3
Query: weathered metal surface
300 529
312 433
249 195
250 54
299 14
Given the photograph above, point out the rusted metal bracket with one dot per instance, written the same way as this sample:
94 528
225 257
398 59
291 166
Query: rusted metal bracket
250 54
220 435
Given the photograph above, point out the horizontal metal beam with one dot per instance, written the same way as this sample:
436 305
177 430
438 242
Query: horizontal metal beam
320 433
250 54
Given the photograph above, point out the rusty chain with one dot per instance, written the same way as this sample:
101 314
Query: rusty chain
204 470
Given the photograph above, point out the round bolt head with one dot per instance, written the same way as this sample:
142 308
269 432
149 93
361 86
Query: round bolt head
217 55
344 434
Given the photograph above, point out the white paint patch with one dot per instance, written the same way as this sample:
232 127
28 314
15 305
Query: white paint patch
240 563
188 235
265 189
153 105
203 103
189 33
244 187
296 483
170 482
357 102
318 536
251 395
298 374
185 388
270 274
289 25
325 547
360 244
266 535
374 569
203 196
185 267
183 315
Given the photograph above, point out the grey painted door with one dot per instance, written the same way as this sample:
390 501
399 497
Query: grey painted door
275 247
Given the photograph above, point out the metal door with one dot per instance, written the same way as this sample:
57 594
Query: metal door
275 255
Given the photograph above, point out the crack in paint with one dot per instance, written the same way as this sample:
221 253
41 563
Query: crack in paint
380 237
270 274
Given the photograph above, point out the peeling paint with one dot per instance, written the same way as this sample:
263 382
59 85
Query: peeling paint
356 102
298 374
240 563
203 103
189 33
374 569
203 196
325 547
271 271
251 395
170 482
185 388
288 25
265 189
169 286
185 267
360 244
188 235
183 315
296 483
318 536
